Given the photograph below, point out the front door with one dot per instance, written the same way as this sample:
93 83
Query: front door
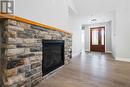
97 39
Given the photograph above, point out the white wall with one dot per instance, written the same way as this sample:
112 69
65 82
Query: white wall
50 12
120 32
113 34
123 34
108 42
75 26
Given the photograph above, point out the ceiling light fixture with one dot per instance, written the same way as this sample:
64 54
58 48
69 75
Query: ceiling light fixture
93 20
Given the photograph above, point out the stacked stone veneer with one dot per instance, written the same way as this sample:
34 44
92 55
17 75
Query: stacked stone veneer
21 52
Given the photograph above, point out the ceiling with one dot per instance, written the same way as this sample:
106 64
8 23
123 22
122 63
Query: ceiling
85 7
101 10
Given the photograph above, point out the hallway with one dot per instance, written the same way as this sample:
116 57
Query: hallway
91 70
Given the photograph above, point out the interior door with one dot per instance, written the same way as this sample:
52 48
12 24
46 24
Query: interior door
97 37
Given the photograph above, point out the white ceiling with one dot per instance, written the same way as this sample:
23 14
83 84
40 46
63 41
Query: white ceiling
85 7
101 10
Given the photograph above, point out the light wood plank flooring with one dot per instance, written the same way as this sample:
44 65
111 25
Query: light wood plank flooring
91 70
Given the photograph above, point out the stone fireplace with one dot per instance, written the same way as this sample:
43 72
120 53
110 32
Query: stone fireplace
29 51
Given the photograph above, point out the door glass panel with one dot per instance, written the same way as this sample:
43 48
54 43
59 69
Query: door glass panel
102 36
94 36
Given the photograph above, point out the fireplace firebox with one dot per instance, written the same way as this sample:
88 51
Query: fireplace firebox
53 55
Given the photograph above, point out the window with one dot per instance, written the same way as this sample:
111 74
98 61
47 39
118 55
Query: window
95 37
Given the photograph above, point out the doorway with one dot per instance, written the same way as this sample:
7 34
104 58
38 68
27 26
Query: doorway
97 39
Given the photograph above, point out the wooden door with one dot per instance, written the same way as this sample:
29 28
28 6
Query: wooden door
97 39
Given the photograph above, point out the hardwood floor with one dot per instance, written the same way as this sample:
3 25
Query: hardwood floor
91 70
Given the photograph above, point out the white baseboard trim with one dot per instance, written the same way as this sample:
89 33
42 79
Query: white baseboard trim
122 59
105 51
108 52
75 54
87 50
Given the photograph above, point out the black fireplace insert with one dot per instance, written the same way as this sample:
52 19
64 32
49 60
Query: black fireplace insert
53 55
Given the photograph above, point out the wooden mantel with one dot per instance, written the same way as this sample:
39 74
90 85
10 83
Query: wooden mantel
13 17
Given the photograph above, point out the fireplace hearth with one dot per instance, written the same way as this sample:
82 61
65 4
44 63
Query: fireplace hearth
53 55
